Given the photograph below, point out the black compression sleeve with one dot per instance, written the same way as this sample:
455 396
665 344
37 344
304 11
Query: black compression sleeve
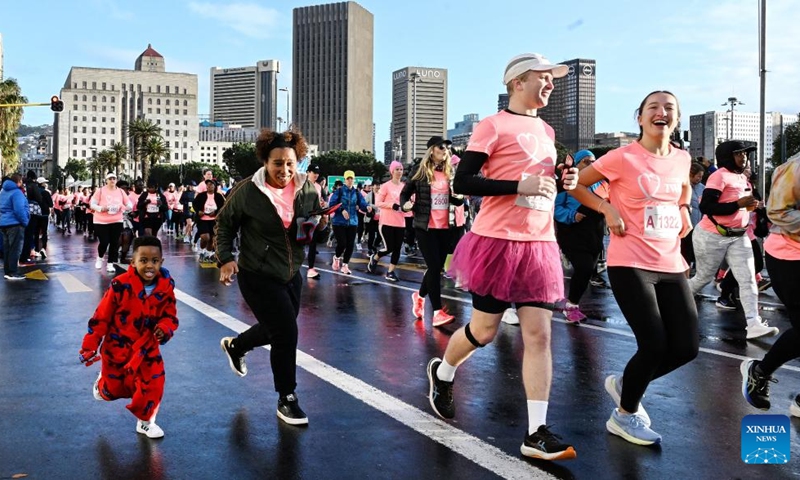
468 180
709 204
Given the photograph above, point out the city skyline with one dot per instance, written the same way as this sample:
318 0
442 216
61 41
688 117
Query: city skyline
704 53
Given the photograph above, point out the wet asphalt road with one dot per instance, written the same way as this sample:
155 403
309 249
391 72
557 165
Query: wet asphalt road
362 382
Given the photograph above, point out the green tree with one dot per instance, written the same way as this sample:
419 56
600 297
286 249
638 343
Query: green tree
10 118
141 130
119 152
362 163
164 174
792 136
241 159
77 169
153 150
194 171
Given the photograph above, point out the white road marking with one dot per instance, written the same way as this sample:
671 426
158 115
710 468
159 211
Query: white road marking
469 446
70 283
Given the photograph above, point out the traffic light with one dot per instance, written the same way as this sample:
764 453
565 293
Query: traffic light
56 104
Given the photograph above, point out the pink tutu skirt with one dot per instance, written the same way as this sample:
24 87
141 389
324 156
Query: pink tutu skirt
509 270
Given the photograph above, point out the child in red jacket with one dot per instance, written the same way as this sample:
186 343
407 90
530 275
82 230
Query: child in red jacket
135 316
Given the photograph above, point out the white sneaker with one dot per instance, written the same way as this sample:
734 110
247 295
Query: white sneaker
510 317
96 388
149 428
110 268
760 329
98 264
187 240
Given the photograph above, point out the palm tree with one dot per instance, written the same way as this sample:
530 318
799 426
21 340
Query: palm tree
140 131
154 150
118 153
10 118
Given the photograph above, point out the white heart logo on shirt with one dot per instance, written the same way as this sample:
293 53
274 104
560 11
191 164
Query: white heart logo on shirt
529 144
649 183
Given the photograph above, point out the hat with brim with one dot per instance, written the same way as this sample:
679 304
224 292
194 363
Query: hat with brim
532 61
349 174
111 175
438 140
41 180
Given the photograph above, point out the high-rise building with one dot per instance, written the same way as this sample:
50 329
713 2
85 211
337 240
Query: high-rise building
571 109
332 75
101 102
712 128
246 96
614 139
419 108
502 101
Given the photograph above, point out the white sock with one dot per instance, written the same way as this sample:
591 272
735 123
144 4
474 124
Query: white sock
537 414
446 372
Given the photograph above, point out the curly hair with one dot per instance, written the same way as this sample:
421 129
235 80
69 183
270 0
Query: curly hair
269 140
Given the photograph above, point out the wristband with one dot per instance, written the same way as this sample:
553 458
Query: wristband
685 205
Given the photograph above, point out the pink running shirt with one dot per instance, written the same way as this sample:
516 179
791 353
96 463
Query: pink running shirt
283 200
733 187
388 195
518 146
440 202
645 189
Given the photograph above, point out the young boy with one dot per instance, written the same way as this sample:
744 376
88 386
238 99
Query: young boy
136 315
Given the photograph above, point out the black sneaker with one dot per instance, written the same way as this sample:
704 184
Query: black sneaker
725 303
794 407
764 284
372 264
440 392
392 277
14 276
290 412
235 360
546 445
755 386
598 281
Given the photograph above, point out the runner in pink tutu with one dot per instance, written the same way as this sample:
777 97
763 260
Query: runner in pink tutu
511 255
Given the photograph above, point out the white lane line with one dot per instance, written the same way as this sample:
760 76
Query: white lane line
613 331
70 283
471 447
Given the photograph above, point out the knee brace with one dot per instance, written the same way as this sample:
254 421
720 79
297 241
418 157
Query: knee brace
471 338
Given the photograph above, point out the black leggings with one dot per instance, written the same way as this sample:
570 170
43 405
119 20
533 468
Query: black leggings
108 238
661 311
392 242
729 283
583 264
345 241
785 276
434 244
275 305
312 253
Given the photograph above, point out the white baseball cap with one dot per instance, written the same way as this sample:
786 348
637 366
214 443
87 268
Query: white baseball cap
111 175
532 61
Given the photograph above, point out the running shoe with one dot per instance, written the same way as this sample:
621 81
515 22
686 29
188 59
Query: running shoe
346 269
602 266
187 240
98 264
613 386
440 393
546 445
14 276
725 303
392 277
312 273
372 264
598 281
441 317
337 263
573 313
632 428
510 317
418 305
755 385
764 284
760 329
236 361
290 412
43 254
794 407
96 388
149 428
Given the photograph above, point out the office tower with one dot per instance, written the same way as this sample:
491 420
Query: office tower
419 108
571 109
246 96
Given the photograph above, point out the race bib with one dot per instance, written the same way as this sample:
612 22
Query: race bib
440 201
534 202
113 209
179 207
209 210
152 208
662 221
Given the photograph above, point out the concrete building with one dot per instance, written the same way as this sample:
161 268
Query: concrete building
419 108
571 109
464 126
332 75
502 101
614 139
246 96
712 128
221 132
100 103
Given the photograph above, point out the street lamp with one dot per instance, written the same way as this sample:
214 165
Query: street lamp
733 102
94 165
288 123
414 79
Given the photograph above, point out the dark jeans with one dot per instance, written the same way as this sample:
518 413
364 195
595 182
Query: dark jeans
108 238
584 264
661 311
13 238
345 241
434 244
275 305
785 276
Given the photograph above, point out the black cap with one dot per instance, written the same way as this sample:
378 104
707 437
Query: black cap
725 150
437 140
314 169
191 183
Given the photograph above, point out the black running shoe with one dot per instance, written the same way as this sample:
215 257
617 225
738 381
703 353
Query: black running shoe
440 393
755 386
235 360
546 445
372 264
290 412
392 277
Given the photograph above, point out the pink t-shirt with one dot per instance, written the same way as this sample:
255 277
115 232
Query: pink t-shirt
201 188
172 199
283 199
518 146
733 187
388 195
440 201
113 202
646 190
152 207
209 207
134 198
782 247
